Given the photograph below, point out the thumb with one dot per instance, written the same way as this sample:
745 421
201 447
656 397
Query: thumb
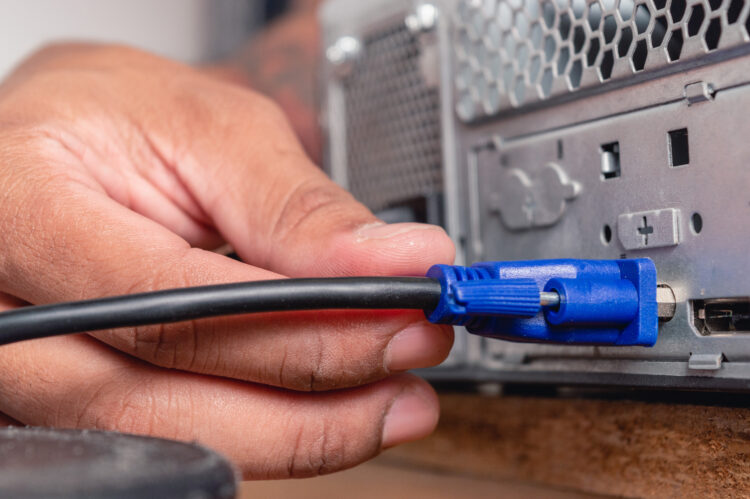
281 212
321 229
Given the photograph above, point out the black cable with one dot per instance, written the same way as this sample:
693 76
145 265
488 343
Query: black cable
175 305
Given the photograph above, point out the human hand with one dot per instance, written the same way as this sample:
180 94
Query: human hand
116 168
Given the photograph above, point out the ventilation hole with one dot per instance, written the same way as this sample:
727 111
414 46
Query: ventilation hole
576 70
488 8
660 4
593 52
660 29
639 55
505 16
605 68
522 56
715 4
697 16
610 29
713 34
536 35
522 25
626 38
562 60
579 7
549 48
534 68
674 45
642 19
560 151
607 235
677 10
734 10
679 150
546 86
595 16
549 14
564 26
579 39
626 10
520 91
508 74
696 223
610 156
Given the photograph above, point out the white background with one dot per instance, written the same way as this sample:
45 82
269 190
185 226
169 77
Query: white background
187 30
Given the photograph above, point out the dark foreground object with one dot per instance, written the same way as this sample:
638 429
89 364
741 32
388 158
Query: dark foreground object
42 462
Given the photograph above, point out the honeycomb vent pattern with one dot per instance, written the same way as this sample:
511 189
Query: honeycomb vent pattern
511 53
393 123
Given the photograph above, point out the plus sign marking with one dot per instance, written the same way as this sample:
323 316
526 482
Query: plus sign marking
645 230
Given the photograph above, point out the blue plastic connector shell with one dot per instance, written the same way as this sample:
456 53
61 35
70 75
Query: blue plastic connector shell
602 302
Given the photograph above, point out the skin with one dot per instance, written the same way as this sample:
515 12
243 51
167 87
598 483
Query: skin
119 172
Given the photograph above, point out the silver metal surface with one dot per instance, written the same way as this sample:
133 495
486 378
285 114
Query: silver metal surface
549 299
513 53
569 171
423 19
539 199
391 109
343 54
666 302
705 361
649 229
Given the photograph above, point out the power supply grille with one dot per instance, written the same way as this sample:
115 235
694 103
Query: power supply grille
393 123
510 53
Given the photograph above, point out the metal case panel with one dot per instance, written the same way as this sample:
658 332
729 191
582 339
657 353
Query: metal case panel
625 151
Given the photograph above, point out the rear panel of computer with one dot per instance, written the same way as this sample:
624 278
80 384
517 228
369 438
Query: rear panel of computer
561 128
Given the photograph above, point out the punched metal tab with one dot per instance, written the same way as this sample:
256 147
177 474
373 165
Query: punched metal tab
649 229
705 361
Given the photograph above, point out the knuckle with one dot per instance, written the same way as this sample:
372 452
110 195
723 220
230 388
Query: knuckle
108 408
318 450
318 369
108 53
175 345
172 346
306 367
311 200
328 358
268 109
294 371
142 407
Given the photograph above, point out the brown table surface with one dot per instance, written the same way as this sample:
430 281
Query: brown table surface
625 444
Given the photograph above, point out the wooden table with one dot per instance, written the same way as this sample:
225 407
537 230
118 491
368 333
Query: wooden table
653 444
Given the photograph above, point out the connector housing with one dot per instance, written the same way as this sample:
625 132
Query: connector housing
602 302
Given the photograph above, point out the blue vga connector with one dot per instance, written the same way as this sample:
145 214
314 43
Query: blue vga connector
581 302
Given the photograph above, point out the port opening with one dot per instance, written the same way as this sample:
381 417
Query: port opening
610 159
721 315
679 149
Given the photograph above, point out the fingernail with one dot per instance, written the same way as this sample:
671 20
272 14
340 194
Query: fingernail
413 415
381 230
419 345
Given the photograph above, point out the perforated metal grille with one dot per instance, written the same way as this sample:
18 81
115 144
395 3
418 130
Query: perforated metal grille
393 123
514 52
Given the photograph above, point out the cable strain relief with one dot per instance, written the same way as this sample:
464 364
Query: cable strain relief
448 311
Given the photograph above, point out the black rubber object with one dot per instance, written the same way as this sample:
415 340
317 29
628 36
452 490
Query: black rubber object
177 305
66 464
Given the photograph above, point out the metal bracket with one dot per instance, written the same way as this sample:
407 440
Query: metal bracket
697 92
705 361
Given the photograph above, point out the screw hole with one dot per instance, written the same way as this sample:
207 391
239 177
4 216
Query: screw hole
607 234
696 221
